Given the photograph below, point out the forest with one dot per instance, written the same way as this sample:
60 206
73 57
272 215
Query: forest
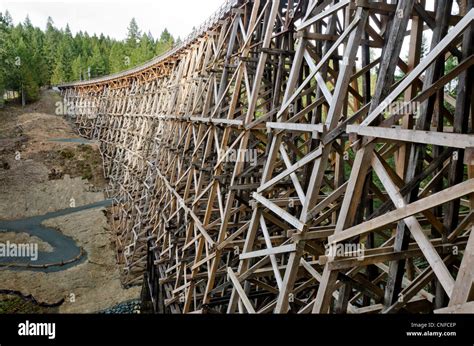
31 58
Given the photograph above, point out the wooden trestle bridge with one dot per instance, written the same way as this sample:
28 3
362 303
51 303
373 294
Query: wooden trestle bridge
303 156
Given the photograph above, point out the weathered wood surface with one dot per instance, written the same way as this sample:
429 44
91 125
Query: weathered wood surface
267 165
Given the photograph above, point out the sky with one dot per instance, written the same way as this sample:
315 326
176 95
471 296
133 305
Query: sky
112 17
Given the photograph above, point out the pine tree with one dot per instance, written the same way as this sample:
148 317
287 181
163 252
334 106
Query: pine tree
165 43
133 35
8 19
96 62
31 58
118 59
51 41
58 75
62 65
77 69
143 52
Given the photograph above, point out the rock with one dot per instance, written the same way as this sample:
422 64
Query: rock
5 165
127 307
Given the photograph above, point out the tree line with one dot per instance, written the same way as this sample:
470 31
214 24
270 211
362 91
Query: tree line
31 57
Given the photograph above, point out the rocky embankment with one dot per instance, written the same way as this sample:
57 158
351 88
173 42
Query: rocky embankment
39 174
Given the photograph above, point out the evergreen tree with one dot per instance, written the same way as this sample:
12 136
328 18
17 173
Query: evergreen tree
31 58
165 42
51 41
143 52
59 76
133 35
8 19
63 70
118 59
78 69
96 62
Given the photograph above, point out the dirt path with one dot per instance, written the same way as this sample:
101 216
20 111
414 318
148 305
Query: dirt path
37 176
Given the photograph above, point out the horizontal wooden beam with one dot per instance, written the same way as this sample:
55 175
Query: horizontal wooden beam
296 127
453 140
379 222
268 252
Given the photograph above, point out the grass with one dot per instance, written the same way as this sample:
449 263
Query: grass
11 304
67 154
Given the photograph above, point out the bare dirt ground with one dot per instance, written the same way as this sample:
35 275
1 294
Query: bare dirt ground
39 176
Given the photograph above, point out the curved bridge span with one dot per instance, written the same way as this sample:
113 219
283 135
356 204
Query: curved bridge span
296 156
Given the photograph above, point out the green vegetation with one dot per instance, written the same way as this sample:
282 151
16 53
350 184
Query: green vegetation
67 153
31 58
12 304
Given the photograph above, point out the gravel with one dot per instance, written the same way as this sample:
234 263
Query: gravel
128 307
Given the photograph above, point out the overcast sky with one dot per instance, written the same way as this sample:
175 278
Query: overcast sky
111 17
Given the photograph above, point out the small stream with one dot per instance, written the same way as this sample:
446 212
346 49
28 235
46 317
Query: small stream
74 140
66 253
